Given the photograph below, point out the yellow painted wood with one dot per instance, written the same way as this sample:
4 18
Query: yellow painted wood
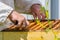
32 35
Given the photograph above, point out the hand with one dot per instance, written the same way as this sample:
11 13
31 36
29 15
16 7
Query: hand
36 11
15 16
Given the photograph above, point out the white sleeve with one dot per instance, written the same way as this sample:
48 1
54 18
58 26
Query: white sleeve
31 2
5 10
24 5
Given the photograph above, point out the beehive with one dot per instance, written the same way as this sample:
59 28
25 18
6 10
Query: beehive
52 24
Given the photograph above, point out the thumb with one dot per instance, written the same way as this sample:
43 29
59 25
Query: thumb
26 22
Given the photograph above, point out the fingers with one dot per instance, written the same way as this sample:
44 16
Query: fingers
20 23
34 15
39 16
27 22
